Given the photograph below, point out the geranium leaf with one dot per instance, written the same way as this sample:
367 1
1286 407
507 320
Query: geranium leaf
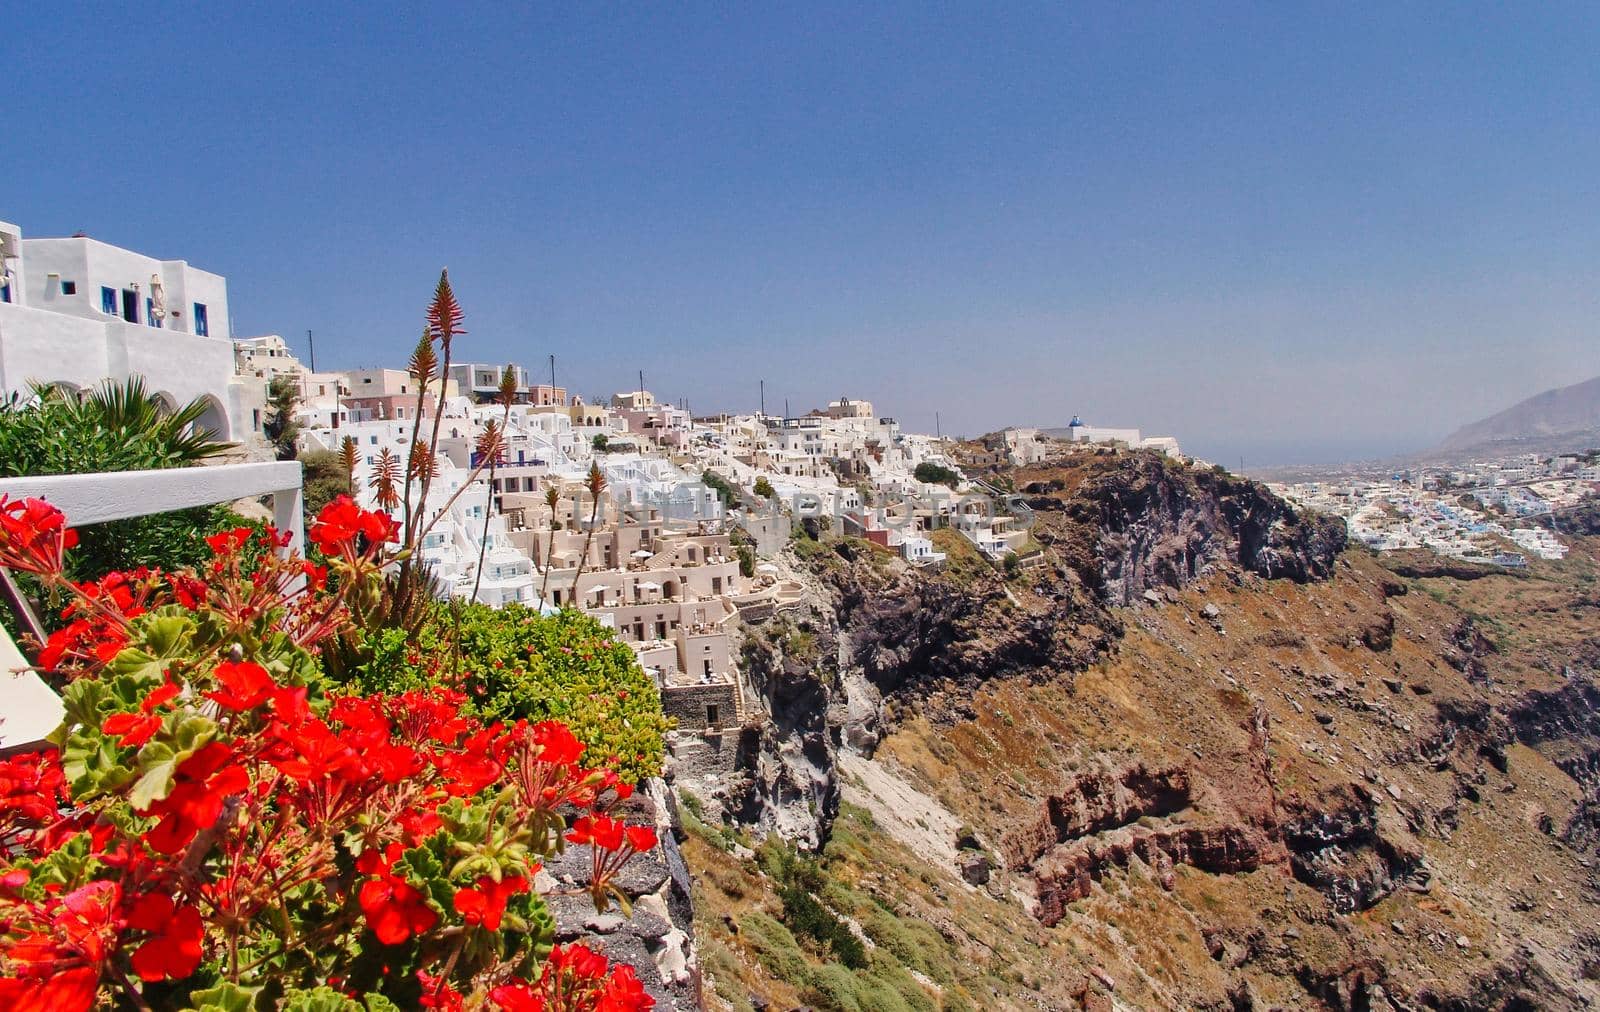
225 997
158 763
320 999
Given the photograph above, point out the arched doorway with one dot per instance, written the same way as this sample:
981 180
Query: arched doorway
214 418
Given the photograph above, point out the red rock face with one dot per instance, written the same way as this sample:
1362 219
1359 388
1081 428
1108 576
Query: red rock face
1068 872
1097 802
1088 829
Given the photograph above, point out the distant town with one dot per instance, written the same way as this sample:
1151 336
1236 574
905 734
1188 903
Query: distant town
1496 512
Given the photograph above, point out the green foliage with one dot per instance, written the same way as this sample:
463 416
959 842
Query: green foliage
165 540
725 491
722 968
935 474
747 560
116 427
600 442
324 480
280 428
764 488
775 947
514 663
799 879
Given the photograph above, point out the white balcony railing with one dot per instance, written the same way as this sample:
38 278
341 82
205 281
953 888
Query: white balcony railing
118 495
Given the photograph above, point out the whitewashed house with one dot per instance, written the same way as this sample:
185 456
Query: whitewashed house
77 311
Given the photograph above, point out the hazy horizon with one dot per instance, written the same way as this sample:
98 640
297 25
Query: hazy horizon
1276 235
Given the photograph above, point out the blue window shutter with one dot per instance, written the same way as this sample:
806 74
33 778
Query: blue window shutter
108 301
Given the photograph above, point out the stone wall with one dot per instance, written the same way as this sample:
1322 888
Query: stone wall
687 704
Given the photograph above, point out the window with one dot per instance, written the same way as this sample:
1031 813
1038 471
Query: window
202 325
130 305
255 418
150 316
108 301
712 716
69 288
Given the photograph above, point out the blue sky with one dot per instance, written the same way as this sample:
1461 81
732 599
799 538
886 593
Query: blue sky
1286 235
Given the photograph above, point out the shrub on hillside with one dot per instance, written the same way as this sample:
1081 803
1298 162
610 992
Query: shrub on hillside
935 474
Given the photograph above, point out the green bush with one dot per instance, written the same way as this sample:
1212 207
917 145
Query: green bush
726 492
515 664
799 878
776 949
913 943
723 968
764 489
835 988
935 474
323 479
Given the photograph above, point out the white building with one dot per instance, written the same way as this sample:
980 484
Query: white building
77 311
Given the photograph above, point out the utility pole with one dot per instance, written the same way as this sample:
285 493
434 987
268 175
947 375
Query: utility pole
641 381
938 433
763 398
552 372
313 345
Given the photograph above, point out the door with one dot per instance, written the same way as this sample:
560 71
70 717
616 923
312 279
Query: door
130 305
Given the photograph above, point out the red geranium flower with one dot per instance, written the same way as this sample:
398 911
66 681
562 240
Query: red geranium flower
65 991
137 728
438 994
486 903
336 525
228 542
641 838
600 831
173 951
33 536
31 789
395 908
517 998
340 521
133 729
201 785
245 685
557 744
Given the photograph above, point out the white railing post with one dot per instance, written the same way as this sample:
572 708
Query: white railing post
288 514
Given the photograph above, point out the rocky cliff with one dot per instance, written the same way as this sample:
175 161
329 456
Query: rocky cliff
1200 757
